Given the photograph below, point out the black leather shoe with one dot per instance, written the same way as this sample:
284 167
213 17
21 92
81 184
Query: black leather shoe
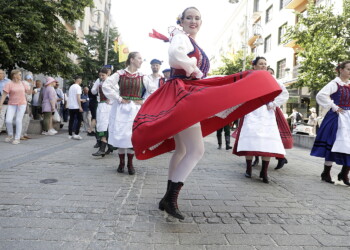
281 163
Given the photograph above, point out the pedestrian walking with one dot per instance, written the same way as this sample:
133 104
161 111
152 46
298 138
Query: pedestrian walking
186 108
227 130
75 108
258 133
127 89
17 103
332 141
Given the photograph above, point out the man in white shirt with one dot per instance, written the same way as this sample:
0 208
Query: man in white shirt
154 78
75 109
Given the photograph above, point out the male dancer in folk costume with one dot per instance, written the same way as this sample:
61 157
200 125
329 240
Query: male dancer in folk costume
333 141
127 89
258 132
102 114
166 77
174 118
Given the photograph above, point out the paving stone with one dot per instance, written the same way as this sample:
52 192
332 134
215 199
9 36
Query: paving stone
220 228
303 229
250 239
295 240
332 240
205 239
263 229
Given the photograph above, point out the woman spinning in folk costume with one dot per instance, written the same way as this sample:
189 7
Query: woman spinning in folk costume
174 117
126 89
333 138
259 134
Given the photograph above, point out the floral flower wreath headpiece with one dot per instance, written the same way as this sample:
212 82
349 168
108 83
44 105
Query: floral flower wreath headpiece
178 19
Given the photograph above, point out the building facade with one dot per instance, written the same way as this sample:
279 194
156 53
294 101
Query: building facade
258 26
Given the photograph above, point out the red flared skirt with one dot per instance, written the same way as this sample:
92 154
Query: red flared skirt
179 104
286 135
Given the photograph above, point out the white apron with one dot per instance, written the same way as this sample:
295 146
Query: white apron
342 142
260 132
121 120
102 116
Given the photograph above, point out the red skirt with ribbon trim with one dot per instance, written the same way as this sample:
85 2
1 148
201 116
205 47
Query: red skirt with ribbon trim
179 104
283 127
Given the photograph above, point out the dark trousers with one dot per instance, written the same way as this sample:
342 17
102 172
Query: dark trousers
74 114
227 134
65 112
36 111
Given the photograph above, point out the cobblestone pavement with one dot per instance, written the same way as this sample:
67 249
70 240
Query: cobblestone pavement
93 207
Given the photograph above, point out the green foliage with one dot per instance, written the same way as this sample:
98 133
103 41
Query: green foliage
93 56
233 64
33 37
324 40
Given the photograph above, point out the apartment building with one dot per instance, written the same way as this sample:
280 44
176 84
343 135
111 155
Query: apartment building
258 26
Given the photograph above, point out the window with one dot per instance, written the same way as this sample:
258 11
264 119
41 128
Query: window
284 3
268 16
267 44
281 68
256 5
281 32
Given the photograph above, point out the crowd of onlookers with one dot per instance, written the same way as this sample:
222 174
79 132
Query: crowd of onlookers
23 100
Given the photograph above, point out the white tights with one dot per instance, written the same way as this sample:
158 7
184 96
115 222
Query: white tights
189 149
11 111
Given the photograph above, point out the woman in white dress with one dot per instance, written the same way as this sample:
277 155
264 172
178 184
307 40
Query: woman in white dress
126 88
258 133
333 138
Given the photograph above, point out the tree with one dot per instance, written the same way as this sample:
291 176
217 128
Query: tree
33 37
324 40
93 55
233 64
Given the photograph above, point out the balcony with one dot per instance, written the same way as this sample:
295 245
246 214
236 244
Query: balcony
295 4
295 72
254 34
292 44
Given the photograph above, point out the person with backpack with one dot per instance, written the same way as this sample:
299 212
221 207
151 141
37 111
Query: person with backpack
296 116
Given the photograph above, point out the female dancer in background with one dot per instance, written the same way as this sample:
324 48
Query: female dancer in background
126 89
333 138
258 133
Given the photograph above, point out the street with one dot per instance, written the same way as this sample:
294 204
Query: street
86 204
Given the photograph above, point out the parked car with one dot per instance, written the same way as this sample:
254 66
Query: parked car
302 128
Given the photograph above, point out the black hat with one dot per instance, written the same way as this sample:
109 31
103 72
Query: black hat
166 70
